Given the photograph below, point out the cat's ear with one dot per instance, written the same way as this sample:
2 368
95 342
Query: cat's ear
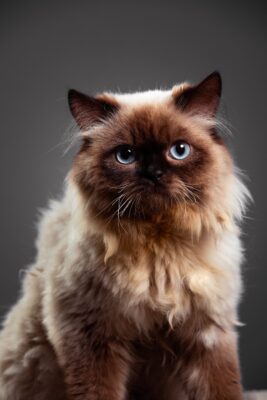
88 110
203 98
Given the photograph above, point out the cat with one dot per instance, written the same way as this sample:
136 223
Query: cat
135 288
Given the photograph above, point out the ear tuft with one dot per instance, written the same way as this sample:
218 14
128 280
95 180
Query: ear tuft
88 110
203 98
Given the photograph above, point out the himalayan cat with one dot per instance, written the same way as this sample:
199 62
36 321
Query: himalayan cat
134 291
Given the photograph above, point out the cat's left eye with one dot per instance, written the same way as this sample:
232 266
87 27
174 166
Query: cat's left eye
180 150
125 154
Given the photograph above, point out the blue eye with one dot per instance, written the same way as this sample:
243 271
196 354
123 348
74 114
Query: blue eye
125 154
180 150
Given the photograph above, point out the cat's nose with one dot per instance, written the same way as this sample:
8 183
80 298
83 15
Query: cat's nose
158 173
152 173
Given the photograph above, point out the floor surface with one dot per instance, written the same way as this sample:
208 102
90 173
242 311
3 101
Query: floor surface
256 396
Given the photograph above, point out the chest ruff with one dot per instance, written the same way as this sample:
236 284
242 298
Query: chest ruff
172 278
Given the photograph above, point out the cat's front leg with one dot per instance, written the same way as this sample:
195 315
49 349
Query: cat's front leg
95 368
92 347
211 368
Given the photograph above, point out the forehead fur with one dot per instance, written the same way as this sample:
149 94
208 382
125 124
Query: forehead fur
151 117
148 97
151 114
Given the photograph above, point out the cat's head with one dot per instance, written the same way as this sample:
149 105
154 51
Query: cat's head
153 155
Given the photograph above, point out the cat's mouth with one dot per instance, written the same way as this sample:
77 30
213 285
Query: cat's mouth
142 202
145 203
156 198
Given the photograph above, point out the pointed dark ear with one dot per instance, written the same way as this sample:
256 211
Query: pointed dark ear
88 110
203 98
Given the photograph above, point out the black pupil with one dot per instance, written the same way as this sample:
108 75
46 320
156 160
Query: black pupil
126 153
180 148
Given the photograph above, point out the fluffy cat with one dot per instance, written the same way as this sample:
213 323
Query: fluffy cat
136 283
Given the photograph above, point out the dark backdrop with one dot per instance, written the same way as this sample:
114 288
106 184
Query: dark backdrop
49 46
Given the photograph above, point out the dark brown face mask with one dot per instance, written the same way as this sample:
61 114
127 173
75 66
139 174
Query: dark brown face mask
138 160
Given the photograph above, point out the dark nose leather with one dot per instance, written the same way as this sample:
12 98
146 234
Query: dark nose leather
158 173
152 173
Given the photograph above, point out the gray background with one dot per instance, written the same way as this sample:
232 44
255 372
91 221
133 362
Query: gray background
48 47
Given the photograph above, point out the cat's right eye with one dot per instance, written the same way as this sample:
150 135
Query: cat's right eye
125 154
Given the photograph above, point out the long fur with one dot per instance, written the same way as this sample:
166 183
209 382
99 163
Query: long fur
151 302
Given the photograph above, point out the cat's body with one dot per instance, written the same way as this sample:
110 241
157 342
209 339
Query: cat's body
133 299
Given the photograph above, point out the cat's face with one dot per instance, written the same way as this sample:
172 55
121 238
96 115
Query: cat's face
148 154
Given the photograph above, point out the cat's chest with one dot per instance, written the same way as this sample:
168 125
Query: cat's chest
170 283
